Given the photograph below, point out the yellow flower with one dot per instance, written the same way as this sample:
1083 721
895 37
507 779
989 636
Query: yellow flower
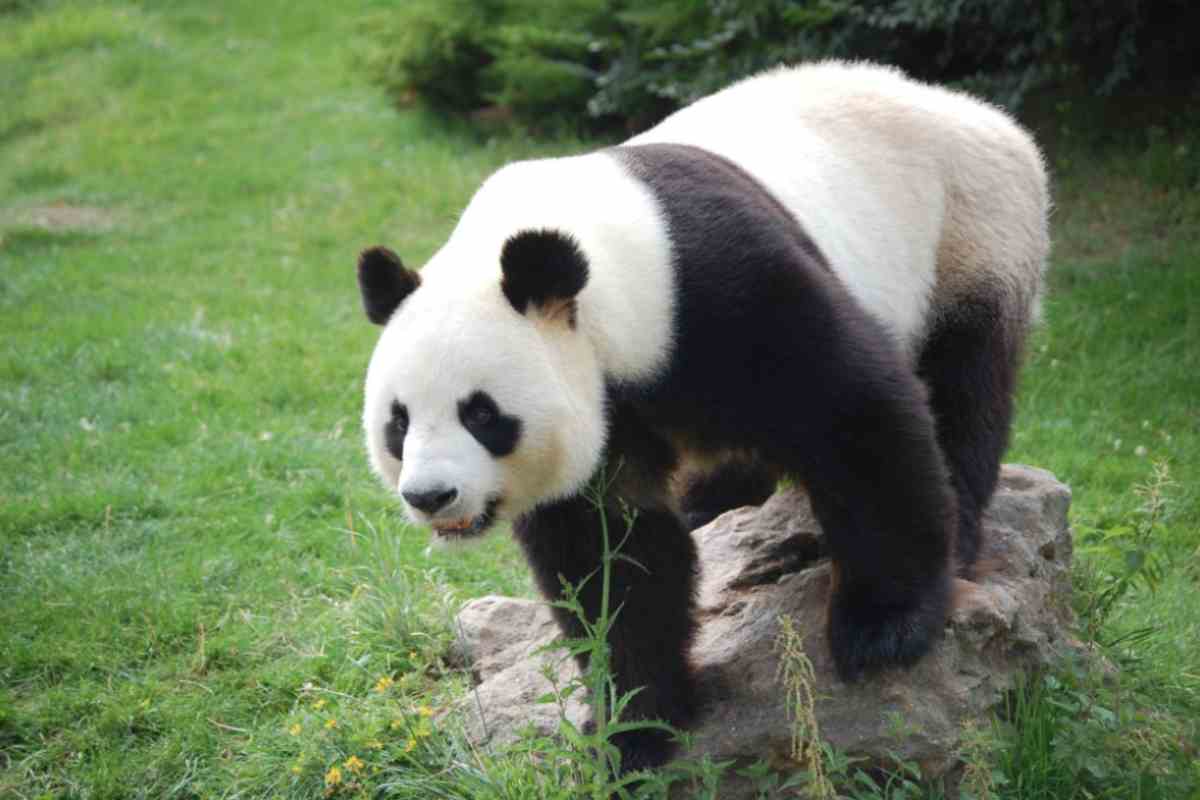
425 711
397 724
333 777
295 729
410 744
384 683
375 744
296 769
354 764
319 704
331 723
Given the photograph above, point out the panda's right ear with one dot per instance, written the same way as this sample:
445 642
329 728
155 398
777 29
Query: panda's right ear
384 282
543 269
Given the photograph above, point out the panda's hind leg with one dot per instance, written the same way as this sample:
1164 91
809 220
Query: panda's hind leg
969 364
705 492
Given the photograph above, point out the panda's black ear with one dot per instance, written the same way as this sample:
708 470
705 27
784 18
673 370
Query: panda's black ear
545 269
384 282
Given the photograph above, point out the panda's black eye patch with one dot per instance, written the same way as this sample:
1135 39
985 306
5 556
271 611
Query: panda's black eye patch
481 416
395 430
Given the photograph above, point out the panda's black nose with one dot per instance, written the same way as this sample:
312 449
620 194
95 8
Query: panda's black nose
431 501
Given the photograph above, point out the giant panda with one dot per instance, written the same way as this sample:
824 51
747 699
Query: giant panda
824 273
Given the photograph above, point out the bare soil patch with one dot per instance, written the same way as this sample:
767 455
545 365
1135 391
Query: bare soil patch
62 217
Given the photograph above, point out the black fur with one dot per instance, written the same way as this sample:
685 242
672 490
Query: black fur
813 384
384 283
653 631
497 432
734 483
395 430
969 362
653 584
541 267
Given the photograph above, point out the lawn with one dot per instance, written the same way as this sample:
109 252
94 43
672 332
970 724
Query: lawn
204 593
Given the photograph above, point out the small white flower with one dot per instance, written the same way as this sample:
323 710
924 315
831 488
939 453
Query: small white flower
87 424
1140 451
265 436
1116 444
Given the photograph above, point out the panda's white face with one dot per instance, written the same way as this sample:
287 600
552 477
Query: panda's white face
475 412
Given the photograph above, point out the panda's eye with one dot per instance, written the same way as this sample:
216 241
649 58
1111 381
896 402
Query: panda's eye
496 431
479 415
395 430
399 415
478 411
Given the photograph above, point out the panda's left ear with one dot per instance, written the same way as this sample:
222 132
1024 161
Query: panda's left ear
544 269
384 282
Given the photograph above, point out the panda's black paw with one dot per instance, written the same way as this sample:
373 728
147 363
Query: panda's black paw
640 749
644 749
866 635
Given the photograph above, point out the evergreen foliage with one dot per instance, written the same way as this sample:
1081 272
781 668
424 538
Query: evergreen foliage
599 62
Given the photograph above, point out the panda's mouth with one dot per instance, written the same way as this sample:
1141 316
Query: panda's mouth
467 527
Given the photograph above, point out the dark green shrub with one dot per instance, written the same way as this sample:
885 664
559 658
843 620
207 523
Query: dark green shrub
13 6
540 71
438 50
605 61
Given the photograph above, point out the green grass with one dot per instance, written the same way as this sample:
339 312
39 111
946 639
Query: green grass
197 572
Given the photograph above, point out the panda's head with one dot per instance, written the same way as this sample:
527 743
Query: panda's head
483 399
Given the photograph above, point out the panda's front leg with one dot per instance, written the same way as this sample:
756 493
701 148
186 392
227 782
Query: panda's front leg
652 585
878 485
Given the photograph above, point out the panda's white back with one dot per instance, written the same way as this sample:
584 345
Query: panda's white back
891 178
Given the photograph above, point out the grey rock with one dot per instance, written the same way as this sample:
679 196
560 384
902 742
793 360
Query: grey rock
505 643
763 564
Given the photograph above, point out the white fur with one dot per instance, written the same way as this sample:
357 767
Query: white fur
457 334
915 195
436 351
